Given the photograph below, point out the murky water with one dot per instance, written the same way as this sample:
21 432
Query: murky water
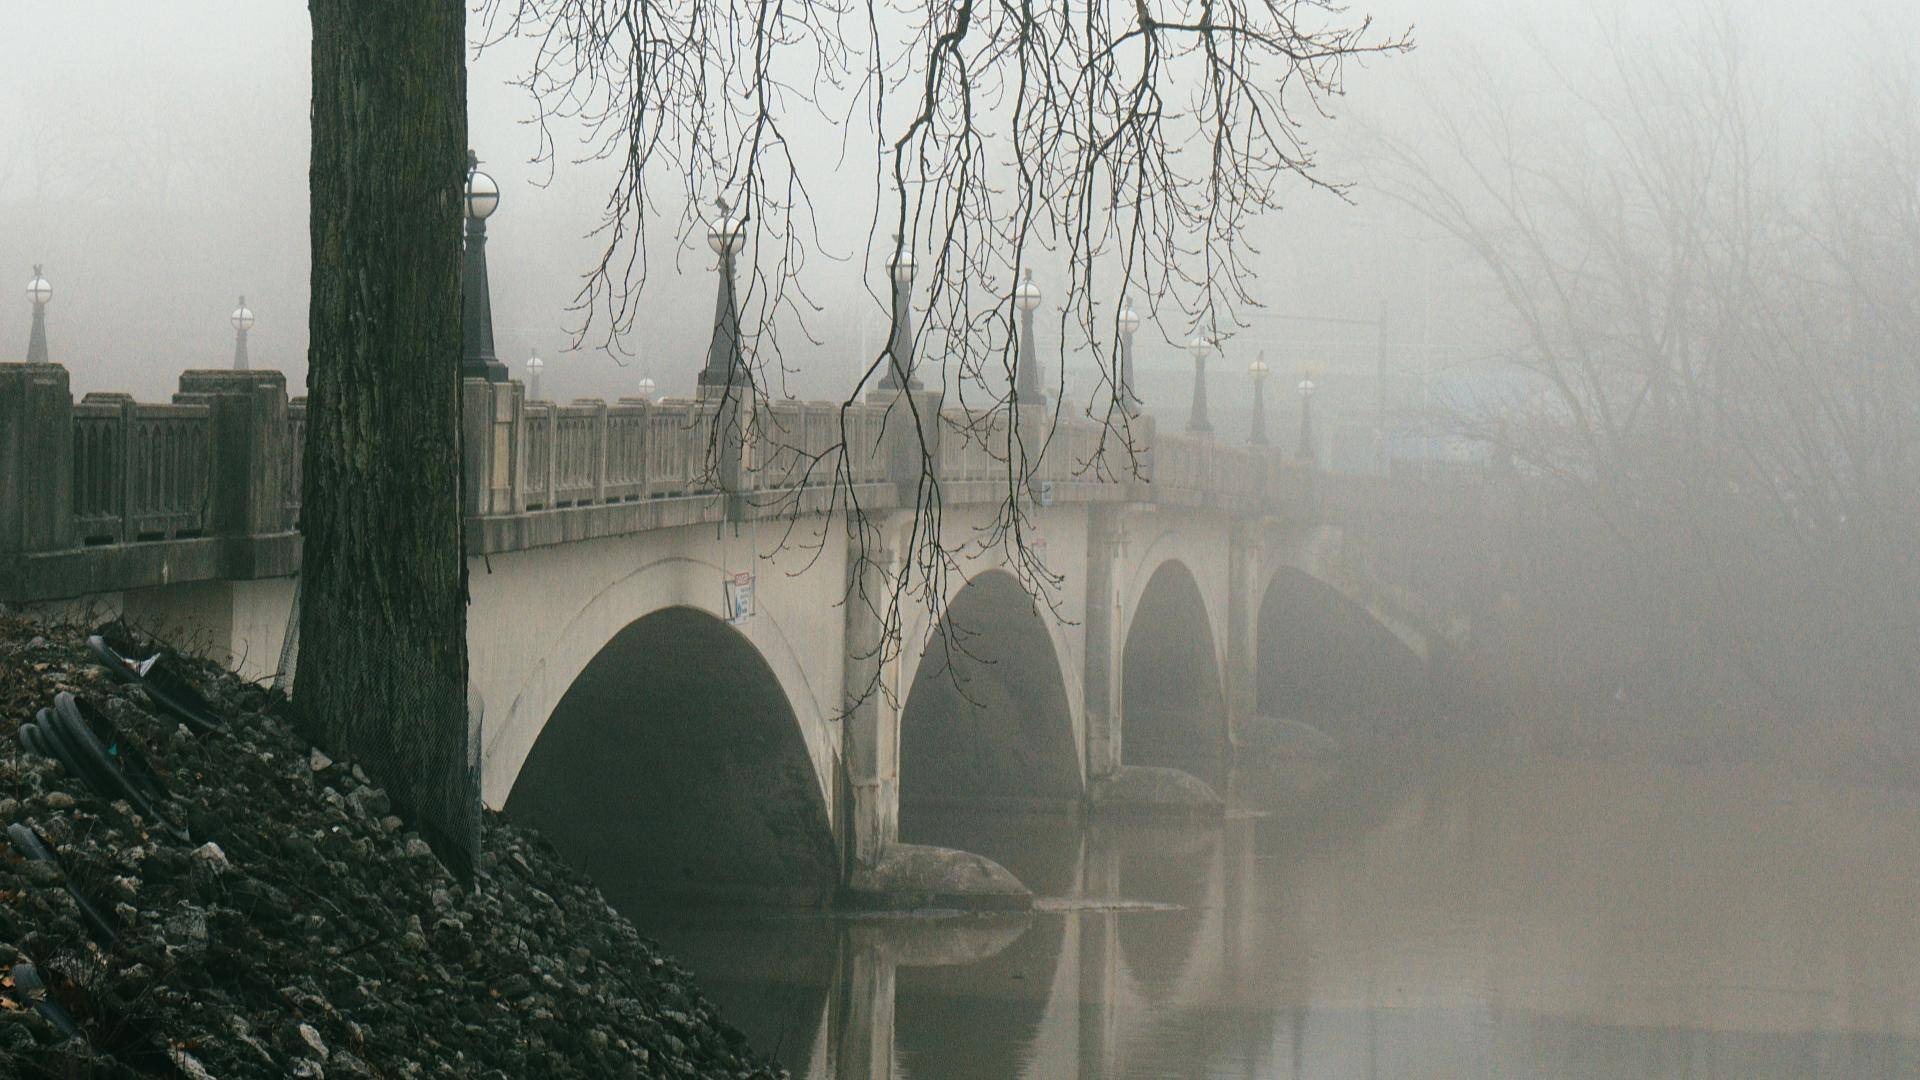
1544 918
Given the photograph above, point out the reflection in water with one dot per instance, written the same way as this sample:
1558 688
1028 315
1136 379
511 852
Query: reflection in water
1539 919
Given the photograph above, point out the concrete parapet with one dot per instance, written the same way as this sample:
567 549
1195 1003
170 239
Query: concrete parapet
493 456
912 423
36 459
248 482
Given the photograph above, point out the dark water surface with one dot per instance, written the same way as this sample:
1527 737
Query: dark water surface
1455 918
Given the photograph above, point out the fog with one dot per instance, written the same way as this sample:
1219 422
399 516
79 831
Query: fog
1592 746
153 158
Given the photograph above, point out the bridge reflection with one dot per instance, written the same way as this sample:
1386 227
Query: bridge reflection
1502 918
1143 925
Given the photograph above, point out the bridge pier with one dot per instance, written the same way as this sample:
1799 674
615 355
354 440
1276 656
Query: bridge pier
879 870
1243 627
1105 634
1113 786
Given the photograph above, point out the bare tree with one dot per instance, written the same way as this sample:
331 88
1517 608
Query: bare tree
1719 344
1124 148
1130 144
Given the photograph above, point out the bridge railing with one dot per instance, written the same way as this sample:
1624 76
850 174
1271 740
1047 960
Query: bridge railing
225 457
626 451
792 444
140 472
676 447
1183 462
536 426
973 446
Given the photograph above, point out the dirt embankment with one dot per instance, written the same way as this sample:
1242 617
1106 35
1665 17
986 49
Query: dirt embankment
250 908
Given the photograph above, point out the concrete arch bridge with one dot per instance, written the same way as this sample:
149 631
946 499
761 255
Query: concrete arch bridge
675 688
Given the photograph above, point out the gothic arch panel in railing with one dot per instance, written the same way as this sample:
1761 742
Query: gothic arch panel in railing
819 433
173 464
99 471
671 455
1090 461
1070 450
775 457
866 453
536 486
626 451
577 453
791 443
973 446
1183 462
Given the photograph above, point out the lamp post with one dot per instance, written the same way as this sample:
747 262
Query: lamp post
477 360
1306 388
39 292
1129 323
1027 385
1197 421
646 390
1258 369
535 366
242 320
900 347
725 364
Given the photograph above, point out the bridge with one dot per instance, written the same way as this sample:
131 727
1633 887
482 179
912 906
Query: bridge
675 688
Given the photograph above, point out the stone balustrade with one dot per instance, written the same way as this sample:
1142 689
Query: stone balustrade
111 494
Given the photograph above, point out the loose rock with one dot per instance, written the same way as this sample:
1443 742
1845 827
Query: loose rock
288 938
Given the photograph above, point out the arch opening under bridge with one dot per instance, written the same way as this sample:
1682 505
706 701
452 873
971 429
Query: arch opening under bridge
1174 712
1325 660
673 768
987 722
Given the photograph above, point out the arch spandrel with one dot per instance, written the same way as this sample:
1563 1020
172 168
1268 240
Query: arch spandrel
550 611
1154 539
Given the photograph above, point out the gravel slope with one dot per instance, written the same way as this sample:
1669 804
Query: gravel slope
300 930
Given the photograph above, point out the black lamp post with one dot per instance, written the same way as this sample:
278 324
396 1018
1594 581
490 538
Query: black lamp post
39 292
1306 451
477 360
1197 421
725 364
1027 386
242 320
900 347
1258 369
1129 324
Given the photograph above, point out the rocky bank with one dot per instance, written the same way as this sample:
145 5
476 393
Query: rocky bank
278 921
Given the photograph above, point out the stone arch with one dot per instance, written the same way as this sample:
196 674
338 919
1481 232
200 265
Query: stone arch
674 767
988 718
1324 659
1173 706
550 611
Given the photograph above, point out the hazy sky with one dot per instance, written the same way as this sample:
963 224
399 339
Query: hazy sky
153 156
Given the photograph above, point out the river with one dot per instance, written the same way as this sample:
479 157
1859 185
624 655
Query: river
1444 916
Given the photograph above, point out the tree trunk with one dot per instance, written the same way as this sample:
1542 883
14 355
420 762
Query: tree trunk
382 670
